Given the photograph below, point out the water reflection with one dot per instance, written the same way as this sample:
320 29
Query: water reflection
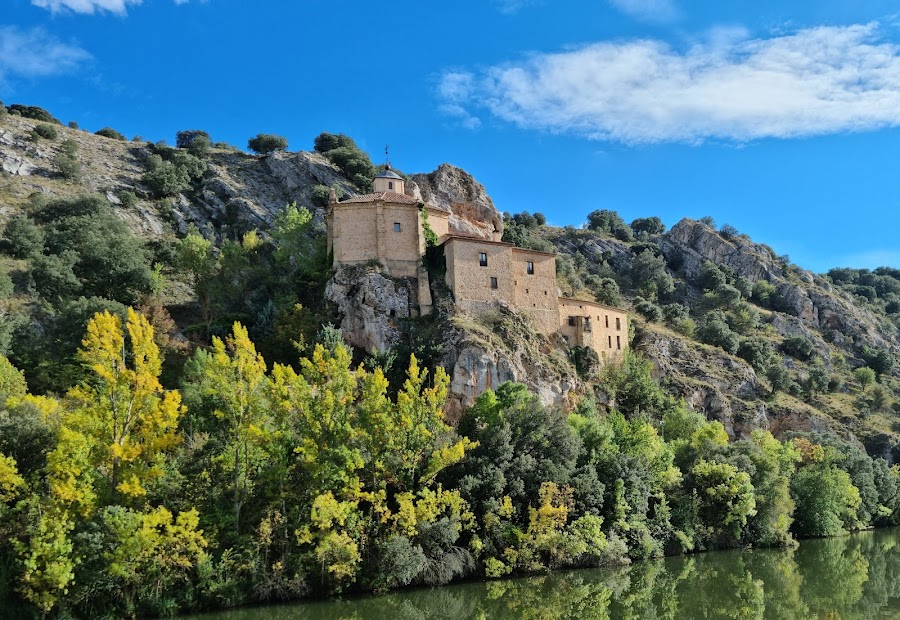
841 578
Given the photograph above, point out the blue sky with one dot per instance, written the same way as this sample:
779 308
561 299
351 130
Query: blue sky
781 119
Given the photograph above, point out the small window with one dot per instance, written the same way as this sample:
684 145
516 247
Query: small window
607 321
610 341
619 342
587 323
526 291
571 321
396 226
529 267
482 259
390 185
493 282
545 292
618 323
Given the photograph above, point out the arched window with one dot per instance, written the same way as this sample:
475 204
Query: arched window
390 185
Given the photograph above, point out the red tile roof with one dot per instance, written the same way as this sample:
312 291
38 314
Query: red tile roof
392 197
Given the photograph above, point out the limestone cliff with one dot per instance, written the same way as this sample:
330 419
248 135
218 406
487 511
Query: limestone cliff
452 189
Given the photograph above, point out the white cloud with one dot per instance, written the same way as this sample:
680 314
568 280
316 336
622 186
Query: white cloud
649 10
35 53
816 81
86 6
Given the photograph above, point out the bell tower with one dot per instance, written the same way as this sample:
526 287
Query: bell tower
387 180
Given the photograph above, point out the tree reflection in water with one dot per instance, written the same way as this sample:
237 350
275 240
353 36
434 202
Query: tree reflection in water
851 578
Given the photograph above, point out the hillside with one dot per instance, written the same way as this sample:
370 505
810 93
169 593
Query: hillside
743 335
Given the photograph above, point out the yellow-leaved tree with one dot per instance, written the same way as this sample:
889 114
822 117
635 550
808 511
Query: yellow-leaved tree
122 409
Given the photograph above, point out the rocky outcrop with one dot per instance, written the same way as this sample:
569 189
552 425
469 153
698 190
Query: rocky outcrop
480 354
812 300
371 306
452 189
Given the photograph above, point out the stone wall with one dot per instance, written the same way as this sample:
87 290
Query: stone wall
361 232
536 293
600 327
470 282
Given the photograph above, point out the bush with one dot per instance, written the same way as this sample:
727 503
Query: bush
728 232
764 292
68 166
715 331
321 195
609 222
879 360
166 179
648 310
196 141
22 238
184 139
6 288
325 142
44 130
33 112
352 162
865 376
649 276
606 291
109 132
758 353
711 278
263 143
73 125
645 226
798 347
127 198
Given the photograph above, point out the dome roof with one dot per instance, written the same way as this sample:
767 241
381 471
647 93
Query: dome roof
387 173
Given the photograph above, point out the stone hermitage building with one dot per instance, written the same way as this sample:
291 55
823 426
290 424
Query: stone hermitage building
387 227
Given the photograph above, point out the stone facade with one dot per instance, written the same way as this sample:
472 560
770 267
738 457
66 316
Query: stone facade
387 226
589 324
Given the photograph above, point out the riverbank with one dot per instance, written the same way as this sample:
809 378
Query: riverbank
850 577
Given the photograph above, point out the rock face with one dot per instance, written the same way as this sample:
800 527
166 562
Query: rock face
480 356
472 211
370 306
814 302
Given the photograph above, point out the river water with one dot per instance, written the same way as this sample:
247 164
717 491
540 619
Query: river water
857 576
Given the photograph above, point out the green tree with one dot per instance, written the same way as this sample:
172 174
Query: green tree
44 130
648 226
233 376
611 223
109 132
879 360
264 144
21 237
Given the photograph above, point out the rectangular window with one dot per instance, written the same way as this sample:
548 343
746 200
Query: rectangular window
396 226
619 342
607 321
587 323
529 267
482 259
618 323
493 282
526 291
610 341
571 321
